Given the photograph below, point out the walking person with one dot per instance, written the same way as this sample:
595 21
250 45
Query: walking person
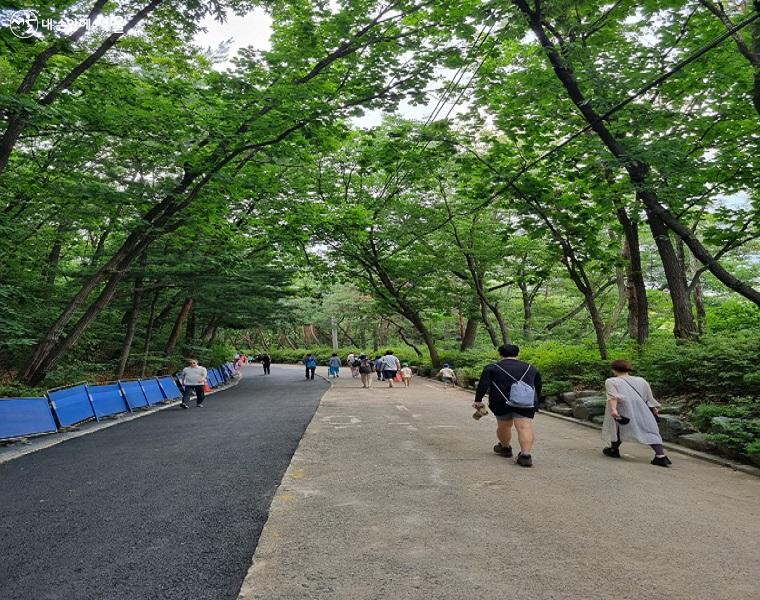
406 375
514 388
266 362
631 413
448 376
193 378
366 366
379 367
333 366
350 362
310 362
354 364
390 366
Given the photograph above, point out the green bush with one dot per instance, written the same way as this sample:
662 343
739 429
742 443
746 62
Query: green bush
740 408
715 367
742 434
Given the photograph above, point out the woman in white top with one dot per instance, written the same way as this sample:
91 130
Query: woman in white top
631 413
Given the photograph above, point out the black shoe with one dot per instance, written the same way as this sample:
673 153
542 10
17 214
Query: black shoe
611 452
183 405
502 451
524 460
661 461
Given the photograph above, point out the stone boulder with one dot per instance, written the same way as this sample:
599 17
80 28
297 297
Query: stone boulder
561 409
696 441
588 394
585 408
671 427
568 397
671 409
549 402
598 419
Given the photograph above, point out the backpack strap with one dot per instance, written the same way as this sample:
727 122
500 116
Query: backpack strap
498 366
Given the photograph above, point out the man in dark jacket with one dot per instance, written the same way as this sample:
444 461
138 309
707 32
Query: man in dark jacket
497 380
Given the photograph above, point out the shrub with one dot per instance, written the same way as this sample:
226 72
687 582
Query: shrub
742 433
715 367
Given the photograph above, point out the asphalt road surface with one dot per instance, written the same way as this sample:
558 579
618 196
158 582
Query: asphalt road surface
167 506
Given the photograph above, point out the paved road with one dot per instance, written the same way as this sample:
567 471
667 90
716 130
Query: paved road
169 506
402 488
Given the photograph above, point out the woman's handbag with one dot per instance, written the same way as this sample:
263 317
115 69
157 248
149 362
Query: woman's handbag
651 408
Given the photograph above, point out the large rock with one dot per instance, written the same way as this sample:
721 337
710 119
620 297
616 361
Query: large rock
561 409
568 397
549 402
585 408
696 441
598 419
671 409
588 394
671 427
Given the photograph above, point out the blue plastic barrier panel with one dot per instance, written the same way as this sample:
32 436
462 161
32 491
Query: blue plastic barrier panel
25 416
107 399
169 387
219 375
71 405
213 378
152 391
133 393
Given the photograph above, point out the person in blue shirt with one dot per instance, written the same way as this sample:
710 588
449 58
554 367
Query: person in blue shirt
310 362
334 365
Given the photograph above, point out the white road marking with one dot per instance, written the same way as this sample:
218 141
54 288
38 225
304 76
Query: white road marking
341 421
402 408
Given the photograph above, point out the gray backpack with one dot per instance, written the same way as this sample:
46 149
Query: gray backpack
521 394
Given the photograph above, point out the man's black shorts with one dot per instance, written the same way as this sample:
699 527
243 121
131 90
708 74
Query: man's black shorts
388 374
514 412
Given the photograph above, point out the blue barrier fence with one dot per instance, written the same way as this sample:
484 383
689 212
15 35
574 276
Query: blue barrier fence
69 406
22 416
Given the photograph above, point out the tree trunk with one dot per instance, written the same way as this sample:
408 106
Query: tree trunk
132 315
54 258
528 296
149 332
309 335
638 303
191 324
622 290
684 326
470 333
505 337
406 340
487 323
184 313
334 333
52 348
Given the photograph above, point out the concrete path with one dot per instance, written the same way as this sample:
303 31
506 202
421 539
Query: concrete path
168 506
396 494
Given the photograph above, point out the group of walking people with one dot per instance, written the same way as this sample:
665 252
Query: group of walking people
514 389
386 368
